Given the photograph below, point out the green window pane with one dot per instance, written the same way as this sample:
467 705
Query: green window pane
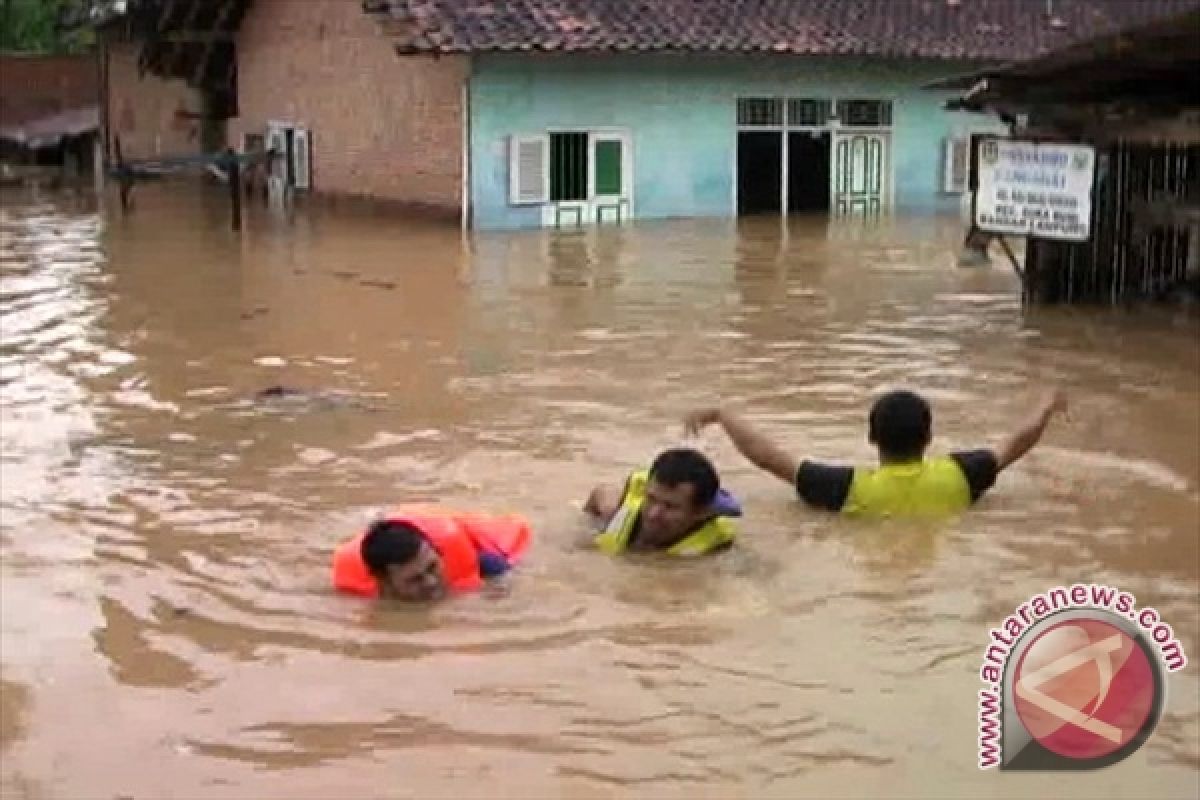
608 167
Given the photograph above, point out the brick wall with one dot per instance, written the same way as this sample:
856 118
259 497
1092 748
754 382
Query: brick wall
382 126
143 110
35 86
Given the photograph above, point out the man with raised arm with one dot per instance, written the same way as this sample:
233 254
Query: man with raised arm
907 481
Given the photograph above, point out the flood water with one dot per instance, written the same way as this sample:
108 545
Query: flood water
168 630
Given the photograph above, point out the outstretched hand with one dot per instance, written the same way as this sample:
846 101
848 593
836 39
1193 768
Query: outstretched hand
1030 433
753 445
1055 402
695 421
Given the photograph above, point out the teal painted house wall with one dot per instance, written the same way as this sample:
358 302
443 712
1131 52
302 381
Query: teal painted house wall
681 114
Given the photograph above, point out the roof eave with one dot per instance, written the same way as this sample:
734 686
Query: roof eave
414 47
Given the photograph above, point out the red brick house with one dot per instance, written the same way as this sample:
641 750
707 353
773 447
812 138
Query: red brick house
322 81
49 110
40 85
318 80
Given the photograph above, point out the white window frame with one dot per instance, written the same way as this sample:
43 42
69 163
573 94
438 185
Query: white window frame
277 131
611 207
595 137
301 159
955 147
592 209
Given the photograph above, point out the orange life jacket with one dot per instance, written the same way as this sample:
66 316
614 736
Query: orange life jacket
458 537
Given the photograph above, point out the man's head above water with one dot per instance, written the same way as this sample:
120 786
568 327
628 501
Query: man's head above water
901 426
403 562
675 506
680 491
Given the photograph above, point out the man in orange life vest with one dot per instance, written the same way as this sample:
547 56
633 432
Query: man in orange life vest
419 554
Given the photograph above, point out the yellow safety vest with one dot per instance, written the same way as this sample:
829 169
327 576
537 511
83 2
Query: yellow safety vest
932 487
717 532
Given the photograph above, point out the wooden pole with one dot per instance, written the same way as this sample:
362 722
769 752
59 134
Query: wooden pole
98 164
1012 259
124 176
235 187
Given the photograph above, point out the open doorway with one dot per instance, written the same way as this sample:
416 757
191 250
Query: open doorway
760 168
808 171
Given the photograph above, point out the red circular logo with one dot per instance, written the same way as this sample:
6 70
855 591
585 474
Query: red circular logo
1084 688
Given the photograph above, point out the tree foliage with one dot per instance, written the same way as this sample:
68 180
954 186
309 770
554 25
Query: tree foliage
35 26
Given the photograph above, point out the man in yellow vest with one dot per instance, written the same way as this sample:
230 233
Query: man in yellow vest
676 507
906 482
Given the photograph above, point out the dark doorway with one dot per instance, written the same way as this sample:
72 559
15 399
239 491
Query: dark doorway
808 171
760 167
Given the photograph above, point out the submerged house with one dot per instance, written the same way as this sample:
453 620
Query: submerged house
49 116
527 113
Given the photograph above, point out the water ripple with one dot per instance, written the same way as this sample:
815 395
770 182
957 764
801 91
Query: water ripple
166 536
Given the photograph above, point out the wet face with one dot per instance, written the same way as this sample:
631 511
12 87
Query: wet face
420 580
669 512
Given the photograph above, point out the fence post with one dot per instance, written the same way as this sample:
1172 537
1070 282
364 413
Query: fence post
235 187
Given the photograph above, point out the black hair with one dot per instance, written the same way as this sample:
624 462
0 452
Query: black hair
389 542
901 425
684 465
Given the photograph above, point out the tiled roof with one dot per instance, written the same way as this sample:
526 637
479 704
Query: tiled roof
940 29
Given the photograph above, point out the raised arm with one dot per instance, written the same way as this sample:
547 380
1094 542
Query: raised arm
1030 433
756 447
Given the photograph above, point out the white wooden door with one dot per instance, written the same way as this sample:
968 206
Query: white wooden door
861 173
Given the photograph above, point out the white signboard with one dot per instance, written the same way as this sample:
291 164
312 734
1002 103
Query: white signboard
1040 190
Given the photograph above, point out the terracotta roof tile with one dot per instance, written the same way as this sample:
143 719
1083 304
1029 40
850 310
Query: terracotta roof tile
939 29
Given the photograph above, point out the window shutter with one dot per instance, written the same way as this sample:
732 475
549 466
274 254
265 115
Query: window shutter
529 170
301 158
956 166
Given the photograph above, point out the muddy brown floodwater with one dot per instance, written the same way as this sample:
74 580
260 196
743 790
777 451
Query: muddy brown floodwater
168 630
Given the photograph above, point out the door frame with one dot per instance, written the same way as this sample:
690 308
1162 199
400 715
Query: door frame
833 127
287 130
